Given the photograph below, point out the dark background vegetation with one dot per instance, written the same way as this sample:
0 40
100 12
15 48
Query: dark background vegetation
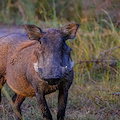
23 11
94 94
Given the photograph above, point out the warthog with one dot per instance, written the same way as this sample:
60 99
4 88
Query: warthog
36 64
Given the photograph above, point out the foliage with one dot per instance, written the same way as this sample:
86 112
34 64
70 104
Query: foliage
32 11
22 11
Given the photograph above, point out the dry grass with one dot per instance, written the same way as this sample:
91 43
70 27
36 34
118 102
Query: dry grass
92 102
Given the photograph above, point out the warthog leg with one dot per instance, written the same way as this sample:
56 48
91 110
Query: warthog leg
2 82
0 96
62 100
19 100
14 97
43 106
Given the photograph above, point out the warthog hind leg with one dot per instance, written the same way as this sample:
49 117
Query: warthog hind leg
2 82
14 97
17 102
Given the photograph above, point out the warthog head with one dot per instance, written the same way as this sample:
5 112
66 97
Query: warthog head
53 54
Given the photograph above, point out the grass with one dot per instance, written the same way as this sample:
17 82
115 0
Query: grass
91 95
91 102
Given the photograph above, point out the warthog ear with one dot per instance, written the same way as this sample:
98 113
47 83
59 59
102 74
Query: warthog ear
34 32
69 31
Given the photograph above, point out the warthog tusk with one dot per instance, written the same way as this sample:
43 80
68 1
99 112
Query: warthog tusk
72 64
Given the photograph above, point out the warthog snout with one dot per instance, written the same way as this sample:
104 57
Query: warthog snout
52 77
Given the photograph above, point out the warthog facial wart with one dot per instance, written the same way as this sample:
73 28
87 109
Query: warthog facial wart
36 66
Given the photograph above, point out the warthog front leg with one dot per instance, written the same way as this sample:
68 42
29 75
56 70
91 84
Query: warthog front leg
17 102
43 106
62 100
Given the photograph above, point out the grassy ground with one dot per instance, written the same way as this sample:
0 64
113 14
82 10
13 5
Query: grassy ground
91 95
92 102
96 52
